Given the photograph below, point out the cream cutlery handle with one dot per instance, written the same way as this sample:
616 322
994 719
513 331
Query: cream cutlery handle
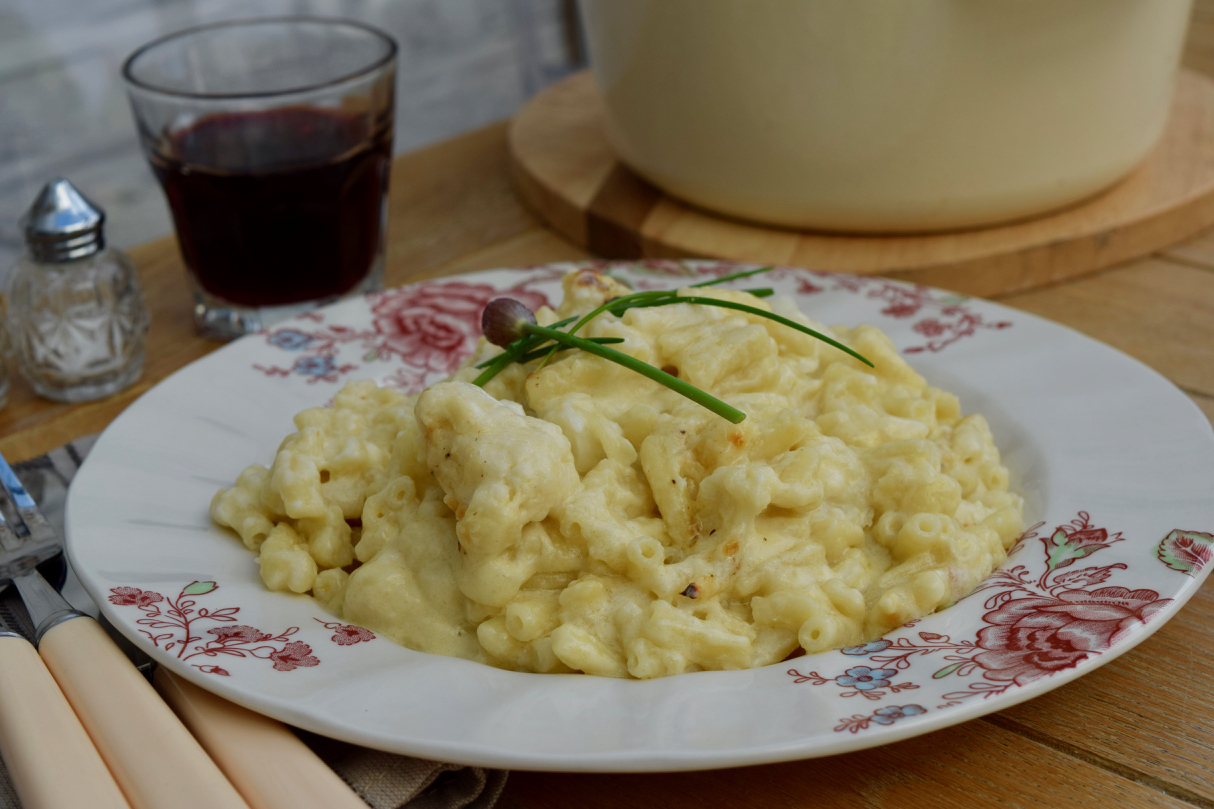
153 757
265 761
41 739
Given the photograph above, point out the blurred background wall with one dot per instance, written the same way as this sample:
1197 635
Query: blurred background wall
463 64
63 111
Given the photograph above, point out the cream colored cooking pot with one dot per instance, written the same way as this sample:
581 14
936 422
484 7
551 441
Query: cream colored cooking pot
884 115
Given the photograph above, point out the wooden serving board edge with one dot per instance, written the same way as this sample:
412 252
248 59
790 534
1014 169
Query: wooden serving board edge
567 175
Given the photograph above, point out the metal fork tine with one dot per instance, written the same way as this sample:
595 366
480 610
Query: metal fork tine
39 529
35 542
8 540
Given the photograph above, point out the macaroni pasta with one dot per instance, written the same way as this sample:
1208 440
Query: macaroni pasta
584 518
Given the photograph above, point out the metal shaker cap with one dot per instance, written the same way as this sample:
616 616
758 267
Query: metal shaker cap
62 224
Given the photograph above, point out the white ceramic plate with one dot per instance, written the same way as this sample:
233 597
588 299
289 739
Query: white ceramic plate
1116 465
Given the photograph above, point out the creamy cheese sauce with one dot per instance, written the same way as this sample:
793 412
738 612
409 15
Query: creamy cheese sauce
584 518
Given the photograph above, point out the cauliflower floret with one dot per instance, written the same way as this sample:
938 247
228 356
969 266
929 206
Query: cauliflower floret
499 468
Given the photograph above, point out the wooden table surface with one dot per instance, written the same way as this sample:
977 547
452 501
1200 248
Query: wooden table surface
1138 731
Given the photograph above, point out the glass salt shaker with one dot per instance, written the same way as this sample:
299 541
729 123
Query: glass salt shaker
76 317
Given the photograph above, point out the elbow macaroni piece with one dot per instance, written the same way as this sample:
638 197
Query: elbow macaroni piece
583 518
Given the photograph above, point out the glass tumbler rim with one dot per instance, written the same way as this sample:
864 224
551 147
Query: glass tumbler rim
134 83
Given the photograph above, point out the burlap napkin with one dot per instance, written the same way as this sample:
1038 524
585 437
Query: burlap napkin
383 780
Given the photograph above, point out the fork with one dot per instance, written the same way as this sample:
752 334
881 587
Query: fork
154 759
39 731
267 763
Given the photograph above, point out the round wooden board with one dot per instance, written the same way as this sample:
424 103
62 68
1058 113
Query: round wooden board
565 170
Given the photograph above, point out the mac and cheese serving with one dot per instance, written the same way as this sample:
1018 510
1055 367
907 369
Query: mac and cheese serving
584 518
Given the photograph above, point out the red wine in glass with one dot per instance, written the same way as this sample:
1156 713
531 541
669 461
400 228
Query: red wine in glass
277 206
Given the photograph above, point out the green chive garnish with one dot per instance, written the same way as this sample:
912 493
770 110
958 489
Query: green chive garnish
741 307
511 325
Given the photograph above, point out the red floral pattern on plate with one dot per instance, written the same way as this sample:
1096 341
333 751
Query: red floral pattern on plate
293 656
1030 638
134 597
1035 625
428 325
949 317
347 634
1185 551
180 617
426 330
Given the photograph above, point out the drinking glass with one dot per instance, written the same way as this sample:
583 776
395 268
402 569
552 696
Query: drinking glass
272 139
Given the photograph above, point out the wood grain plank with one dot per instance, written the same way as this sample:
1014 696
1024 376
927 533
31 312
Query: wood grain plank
535 246
1198 251
617 214
572 155
1206 403
975 765
674 230
448 200
558 152
1199 45
1158 311
1149 711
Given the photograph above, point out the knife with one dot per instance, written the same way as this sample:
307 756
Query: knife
269 765
41 736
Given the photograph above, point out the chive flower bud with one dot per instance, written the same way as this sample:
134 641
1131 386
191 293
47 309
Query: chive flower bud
505 320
